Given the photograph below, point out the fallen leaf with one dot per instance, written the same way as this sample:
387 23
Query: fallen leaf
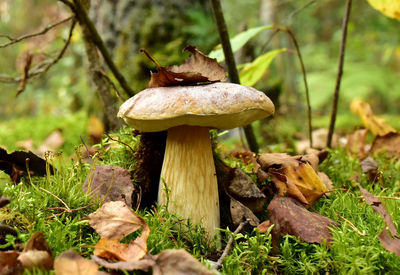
290 217
18 163
389 143
144 264
95 129
242 188
9 264
240 213
69 262
198 68
369 166
115 220
356 141
385 237
36 259
178 262
327 181
26 144
390 243
380 209
294 176
376 125
113 249
37 242
320 137
264 226
109 183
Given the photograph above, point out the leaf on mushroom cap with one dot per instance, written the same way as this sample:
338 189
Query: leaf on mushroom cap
197 68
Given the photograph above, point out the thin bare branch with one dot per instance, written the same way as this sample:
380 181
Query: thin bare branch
352 226
44 66
339 75
303 70
48 192
27 36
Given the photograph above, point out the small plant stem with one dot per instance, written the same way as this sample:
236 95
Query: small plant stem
352 226
339 75
48 192
303 70
83 18
230 242
124 143
230 62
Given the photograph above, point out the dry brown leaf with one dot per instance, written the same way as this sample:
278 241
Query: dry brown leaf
144 264
327 181
178 262
376 125
380 209
113 249
389 143
36 259
390 243
109 183
356 143
198 68
37 242
369 166
240 213
51 143
115 220
290 217
69 262
9 264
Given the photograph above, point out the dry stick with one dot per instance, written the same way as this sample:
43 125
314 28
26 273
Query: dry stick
352 225
230 242
303 70
27 36
339 75
120 141
45 65
80 12
66 206
230 62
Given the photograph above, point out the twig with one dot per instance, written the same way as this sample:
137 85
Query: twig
65 210
230 242
303 70
230 62
83 18
44 66
383 197
339 75
112 84
66 206
27 36
352 225
119 141
293 13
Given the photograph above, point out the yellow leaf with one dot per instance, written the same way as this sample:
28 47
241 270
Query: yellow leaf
376 125
307 181
390 8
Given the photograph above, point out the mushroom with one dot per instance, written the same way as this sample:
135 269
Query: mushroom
188 182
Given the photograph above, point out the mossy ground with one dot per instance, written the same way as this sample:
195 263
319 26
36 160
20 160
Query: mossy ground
33 209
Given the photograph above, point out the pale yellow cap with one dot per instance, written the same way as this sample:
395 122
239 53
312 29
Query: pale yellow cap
218 105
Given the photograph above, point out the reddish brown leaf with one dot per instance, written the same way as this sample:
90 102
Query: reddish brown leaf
198 68
9 264
109 183
369 166
380 209
290 217
264 226
356 143
36 259
113 249
38 242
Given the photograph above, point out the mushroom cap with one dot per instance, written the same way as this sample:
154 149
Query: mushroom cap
218 105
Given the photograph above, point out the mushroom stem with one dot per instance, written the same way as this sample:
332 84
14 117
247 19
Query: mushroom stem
188 174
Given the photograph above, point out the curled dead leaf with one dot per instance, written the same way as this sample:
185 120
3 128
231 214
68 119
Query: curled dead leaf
198 68
69 262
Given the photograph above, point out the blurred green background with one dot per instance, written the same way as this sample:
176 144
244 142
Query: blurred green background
64 98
